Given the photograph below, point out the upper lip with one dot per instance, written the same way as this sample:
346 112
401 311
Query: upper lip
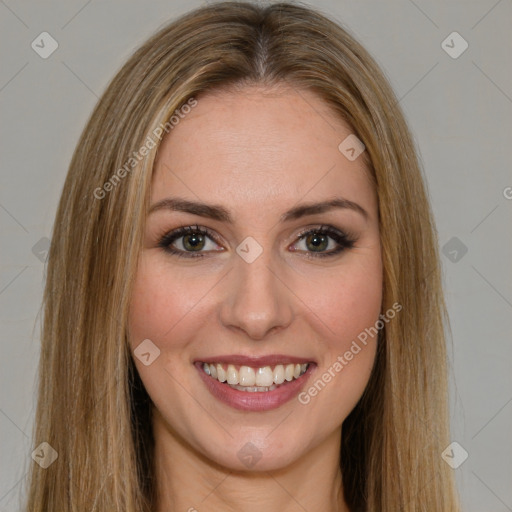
255 362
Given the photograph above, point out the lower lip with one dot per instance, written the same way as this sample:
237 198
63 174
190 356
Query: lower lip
259 400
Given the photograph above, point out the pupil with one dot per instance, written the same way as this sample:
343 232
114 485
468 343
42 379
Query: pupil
197 240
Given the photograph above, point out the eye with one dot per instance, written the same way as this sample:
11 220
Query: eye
193 242
316 241
190 241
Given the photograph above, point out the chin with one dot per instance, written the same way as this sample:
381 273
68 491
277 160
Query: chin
255 456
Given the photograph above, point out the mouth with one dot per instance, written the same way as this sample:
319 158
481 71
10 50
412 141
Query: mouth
259 384
260 379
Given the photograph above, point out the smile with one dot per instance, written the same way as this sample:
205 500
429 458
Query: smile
258 385
249 379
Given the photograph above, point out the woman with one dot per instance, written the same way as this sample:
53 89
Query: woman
243 306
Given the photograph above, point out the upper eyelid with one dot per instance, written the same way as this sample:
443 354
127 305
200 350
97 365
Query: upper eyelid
323 227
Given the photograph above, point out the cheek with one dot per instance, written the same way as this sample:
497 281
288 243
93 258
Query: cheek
346 302
161 304
355 304
347 307
160 301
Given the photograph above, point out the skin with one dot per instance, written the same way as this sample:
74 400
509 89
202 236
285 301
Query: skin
257 152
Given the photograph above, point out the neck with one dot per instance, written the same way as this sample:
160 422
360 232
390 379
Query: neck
188 481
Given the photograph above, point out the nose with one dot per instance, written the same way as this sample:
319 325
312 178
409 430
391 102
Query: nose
257 299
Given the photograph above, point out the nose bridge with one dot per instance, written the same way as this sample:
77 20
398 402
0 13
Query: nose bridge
256 301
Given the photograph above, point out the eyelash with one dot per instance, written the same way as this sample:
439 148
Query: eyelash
343 240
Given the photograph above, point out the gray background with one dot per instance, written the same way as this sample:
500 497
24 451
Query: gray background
459 110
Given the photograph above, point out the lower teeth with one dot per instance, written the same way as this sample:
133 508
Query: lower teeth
253 389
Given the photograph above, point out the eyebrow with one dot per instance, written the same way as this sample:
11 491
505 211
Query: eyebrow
220 213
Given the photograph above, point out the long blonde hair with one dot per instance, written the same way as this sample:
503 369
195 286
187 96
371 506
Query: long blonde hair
92 408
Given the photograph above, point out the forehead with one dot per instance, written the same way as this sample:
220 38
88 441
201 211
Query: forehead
257 146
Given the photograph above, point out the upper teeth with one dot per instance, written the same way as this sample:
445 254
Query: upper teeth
247 376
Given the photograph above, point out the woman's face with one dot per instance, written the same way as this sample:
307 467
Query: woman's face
264 285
